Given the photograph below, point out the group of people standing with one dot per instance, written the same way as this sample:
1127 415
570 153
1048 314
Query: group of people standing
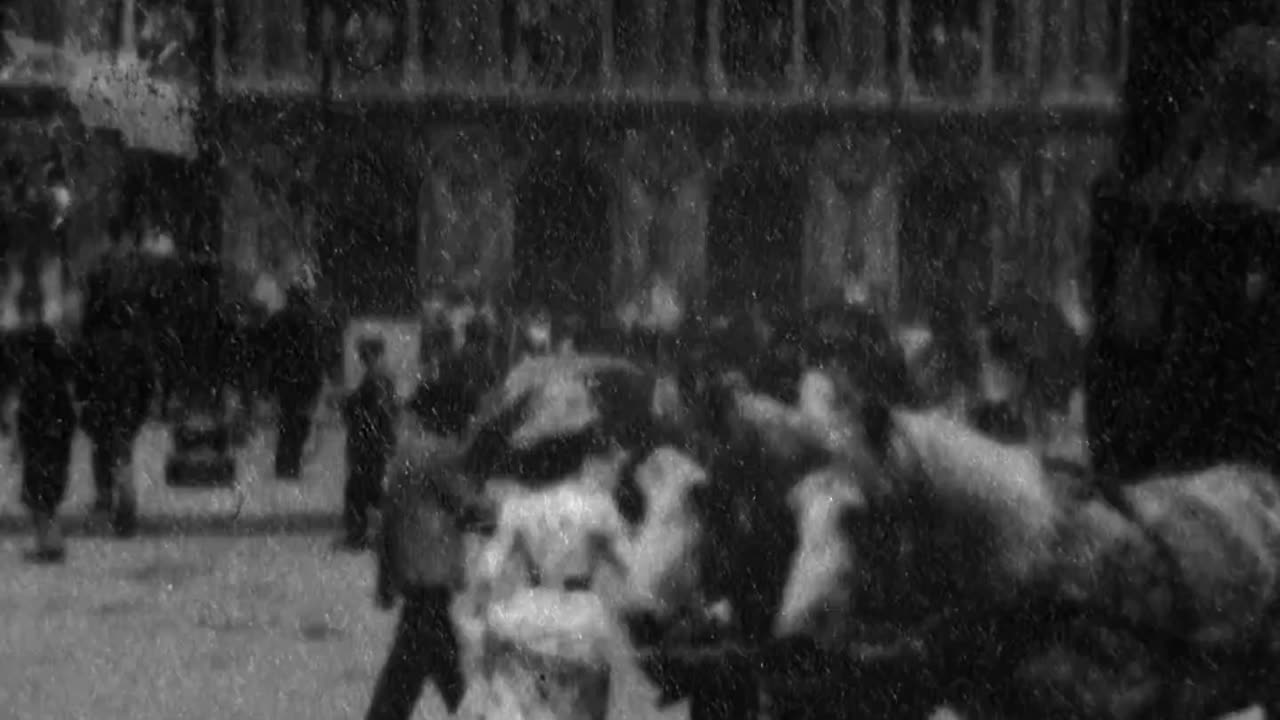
126 353
102 383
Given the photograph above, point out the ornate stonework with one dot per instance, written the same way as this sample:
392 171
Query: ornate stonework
555 42
850 221
466 208
661 44
662 201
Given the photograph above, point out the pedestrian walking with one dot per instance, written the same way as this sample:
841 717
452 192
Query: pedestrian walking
369 414
46 425
430 506
115 382
296 375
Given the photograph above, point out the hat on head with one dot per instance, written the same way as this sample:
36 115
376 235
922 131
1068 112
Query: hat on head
370 348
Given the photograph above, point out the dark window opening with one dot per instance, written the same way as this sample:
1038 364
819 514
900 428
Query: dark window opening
754 243
848 47
1005 34
562 248
368 247
562 42
656 39
756 42
946 45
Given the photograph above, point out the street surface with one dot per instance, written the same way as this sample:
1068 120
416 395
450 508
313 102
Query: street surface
212 612
231 604
209 627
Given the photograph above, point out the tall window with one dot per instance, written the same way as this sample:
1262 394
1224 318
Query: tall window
946 45
756 42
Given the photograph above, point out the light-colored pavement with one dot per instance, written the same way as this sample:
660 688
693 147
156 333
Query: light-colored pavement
214 622
199 627
210 629
190 628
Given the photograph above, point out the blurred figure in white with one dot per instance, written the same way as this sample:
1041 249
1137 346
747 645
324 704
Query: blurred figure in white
268 292
158 243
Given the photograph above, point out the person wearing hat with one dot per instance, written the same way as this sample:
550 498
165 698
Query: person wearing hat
369 413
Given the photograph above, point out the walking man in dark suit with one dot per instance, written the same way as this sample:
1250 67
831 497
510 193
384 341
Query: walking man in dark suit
296 375
369 414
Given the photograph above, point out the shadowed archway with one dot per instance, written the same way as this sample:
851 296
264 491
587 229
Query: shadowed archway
368 245
755 245
945 256
562 252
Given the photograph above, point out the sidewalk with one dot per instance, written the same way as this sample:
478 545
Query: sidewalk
210 627
162 628
258 503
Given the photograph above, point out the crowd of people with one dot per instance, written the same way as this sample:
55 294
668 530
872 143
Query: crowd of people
469 348
843 494
132 348
154 341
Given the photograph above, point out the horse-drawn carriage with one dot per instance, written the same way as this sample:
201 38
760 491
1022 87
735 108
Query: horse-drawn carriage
1182 368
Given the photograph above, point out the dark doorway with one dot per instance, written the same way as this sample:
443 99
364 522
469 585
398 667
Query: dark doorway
944 258
562 247
754 244
944 265
367 249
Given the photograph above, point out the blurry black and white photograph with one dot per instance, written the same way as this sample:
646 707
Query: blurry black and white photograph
639 360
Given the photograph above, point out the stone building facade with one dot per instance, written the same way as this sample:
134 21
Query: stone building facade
930 158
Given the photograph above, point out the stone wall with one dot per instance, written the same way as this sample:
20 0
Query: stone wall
466 210
659 218
851 220
1009 214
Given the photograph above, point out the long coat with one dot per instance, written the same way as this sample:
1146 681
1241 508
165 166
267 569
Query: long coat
114 381
293 339
428 503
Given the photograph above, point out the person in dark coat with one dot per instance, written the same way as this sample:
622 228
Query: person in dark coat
9 372
369 414
115 382
430 505
296 375
454 381
101 282
46 425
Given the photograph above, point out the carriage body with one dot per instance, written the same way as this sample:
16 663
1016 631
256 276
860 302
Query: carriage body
1181 371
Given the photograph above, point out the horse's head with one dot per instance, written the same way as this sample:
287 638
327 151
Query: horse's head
770 512
750 513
